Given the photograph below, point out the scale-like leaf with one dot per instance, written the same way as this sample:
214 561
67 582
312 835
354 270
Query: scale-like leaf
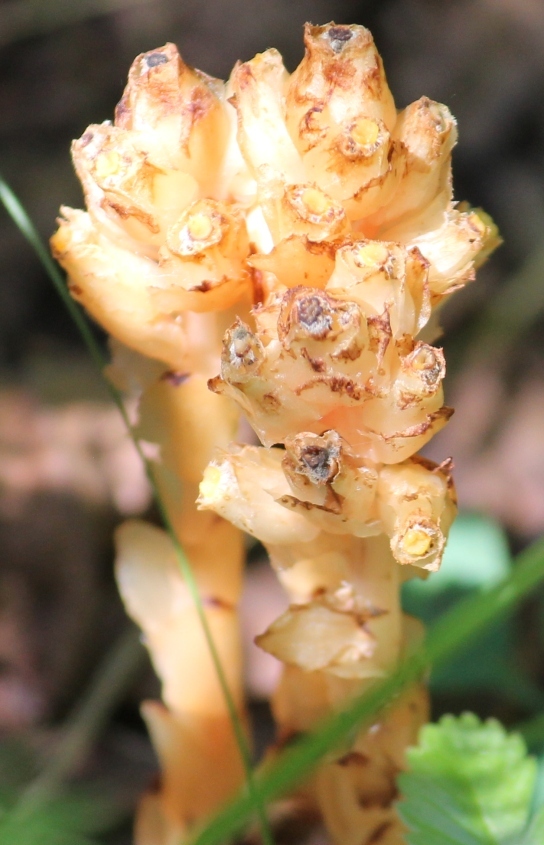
470 783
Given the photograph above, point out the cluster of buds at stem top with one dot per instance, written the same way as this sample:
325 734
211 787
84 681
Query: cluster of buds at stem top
311 198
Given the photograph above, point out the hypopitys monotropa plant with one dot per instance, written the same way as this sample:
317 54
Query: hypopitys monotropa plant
311 198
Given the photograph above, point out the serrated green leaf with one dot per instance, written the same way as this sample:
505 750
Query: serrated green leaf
469 783
535 831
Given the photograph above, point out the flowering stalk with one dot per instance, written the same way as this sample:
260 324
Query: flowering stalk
311 198
359 244
158 259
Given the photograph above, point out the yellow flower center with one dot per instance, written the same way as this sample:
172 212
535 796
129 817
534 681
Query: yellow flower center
424 359
315 201
106 164
365 132
372 254
210 484
200 226
416 542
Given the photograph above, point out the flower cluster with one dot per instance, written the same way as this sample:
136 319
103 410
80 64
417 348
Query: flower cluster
291 238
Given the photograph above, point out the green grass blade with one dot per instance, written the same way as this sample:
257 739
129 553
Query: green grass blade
27 228
78 736
85 723
451 632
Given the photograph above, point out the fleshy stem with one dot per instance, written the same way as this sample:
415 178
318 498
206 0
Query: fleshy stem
27 228
456 627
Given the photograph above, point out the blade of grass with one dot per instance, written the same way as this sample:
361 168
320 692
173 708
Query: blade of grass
27 228
451 632
81 728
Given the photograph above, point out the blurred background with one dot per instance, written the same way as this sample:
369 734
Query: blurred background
67 472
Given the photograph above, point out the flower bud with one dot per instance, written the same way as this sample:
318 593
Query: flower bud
427 133
258 90
420 375
416 502
242 485
303 210
340 114
382 276
204 257
127 194
115 286
179 114
340 80
333 489
243 354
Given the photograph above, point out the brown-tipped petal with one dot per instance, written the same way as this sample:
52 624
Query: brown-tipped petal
340 79
427 133
463 241
180 112
372 434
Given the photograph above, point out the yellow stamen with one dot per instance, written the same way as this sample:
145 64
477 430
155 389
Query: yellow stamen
210 484
416 542
315 202
365 132
478 223
200 226
371 254
106 164
424 359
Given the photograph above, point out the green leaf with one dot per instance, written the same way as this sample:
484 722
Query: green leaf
476 556
535 832
69 819
456 627
470 783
